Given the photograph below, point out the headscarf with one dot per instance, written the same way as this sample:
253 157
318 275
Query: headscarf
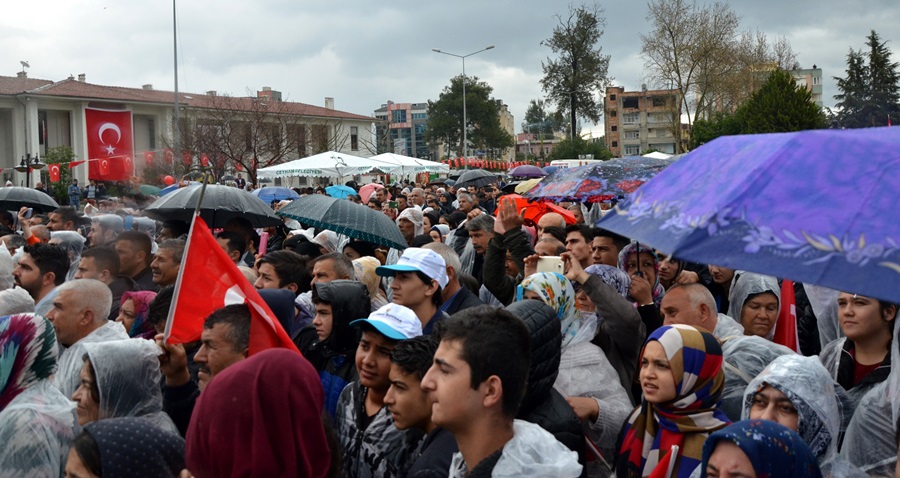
746 285
225 439
442 230
774 450
141 328
414 216
634 248
364 267
422 240
327 239
557 292
362 248
810 388
28 354
135 447
618 279
695 359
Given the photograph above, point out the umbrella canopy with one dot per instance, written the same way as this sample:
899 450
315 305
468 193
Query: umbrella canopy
368 190
549 169
340 192
149 190
274 193
815 206
220 204
329 164
13 198
174 187
599 181
526 171
475 177
526 186
345 217
534 210
410 165
228 177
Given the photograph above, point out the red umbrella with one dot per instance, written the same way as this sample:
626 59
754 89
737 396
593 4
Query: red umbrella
534 210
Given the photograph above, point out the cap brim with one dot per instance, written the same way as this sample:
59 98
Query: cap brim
382 328
389 271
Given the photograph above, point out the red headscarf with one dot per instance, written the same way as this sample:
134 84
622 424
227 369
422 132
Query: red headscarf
260 417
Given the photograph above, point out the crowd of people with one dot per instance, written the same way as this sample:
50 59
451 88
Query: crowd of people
490 346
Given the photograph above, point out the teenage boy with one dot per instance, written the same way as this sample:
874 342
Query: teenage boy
477 383
410 406
372 446
419 277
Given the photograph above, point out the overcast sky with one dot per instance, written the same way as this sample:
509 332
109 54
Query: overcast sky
364 53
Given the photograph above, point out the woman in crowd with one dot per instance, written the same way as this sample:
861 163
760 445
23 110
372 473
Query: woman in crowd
121 378
37 422
125 447
721 286
439 231
328 242
225 440
669 269
354 249
754 302
861 359
364 267
133 314
681 377
758 448
642 264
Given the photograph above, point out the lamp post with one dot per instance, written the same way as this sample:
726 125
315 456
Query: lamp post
463 57
27 165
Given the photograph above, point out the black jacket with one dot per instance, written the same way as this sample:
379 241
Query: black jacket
464 299
434 456
543 405
495 279
144 281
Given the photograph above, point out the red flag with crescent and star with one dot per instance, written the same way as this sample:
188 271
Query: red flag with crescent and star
149 156
54 173
110 144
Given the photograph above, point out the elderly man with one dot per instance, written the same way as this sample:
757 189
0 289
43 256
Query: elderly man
167 261
551 219
79 316
417 198
481 231
694 305
104 229
456 297
40 270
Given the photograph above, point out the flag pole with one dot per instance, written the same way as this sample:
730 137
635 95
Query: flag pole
184 261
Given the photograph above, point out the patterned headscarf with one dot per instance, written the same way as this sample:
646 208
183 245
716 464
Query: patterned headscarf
141 328
133 446
773 449
635 247
557 292
695 359
618 279
28 354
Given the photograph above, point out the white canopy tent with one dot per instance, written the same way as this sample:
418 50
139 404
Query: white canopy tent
329 164
410 165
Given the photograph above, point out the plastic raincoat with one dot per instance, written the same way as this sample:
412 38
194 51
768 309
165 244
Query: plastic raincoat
745 357
67 378
746 284
73 243
37 422
128 376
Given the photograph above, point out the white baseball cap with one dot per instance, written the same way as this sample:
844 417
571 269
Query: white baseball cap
394 321
416 259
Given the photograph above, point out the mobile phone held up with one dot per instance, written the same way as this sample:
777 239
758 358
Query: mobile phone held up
393 205
28 213
550 264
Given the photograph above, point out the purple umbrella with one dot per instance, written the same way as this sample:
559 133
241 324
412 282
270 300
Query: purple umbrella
815 206
527 171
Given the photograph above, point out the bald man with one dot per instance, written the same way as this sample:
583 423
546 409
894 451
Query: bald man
550 219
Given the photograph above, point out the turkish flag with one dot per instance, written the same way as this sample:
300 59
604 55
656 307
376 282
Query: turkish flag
169 156
666 466
54 173
149 156
74 163
129 166
207 281
187 158
110 139
204 160
238 166
786 327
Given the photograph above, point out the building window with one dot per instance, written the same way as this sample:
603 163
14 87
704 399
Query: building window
613 128
612 114
631 118
612 97
615 144
354 138
659 101
817 80
630 103
632 135
632 150
420 116
399 116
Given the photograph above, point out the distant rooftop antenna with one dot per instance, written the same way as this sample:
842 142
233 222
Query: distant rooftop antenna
24 65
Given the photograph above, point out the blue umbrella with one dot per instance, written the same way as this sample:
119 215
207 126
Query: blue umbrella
274 193
340 192
173 187
815 206
550 169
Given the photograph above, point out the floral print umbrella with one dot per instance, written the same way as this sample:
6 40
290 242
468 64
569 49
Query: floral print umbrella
599 181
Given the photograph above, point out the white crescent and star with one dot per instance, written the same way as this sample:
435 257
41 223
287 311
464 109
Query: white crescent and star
106 126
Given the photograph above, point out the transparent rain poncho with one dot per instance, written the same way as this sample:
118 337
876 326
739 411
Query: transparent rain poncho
744 358
67 376
815 395
73 243
128 377
746 284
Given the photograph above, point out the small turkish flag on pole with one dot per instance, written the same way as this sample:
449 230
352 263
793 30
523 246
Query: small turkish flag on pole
786 326
239 166
149 156
169 156
54 173
204 160
187 158
207 281
104 166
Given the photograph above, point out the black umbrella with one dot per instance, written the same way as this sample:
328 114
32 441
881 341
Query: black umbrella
13 198
345 217
220 204
475 177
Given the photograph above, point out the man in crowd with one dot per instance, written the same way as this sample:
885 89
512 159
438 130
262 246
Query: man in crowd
548 246
410 406
605 247
419 276
551 219
417 198
74 194
455 296
40 270
104 229
578 242
167 261
481 230
135 256
64 219
284 270
332 266
80 315
233 244
482 362
245 229
372 445
102 264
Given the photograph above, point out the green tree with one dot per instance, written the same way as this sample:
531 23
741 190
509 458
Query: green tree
870 93
779 106
61 155
576 78
445 117
572 148
542 123
721 124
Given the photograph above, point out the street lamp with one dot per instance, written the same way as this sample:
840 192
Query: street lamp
27 165
463 57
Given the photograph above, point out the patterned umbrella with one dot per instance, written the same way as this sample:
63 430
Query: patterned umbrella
816 206
13 198
599 181
345 217
220 204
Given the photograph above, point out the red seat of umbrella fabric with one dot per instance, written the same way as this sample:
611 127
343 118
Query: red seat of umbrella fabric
535 210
